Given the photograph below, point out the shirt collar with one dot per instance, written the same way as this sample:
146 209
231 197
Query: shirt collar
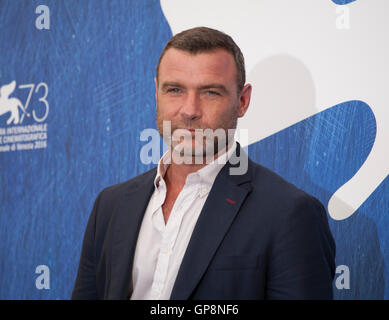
206 175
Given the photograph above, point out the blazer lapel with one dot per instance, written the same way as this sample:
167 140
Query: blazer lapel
125 230
218 213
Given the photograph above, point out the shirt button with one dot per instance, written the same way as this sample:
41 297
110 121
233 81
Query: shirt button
203 191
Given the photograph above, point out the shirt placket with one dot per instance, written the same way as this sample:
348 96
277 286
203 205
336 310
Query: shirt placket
169 237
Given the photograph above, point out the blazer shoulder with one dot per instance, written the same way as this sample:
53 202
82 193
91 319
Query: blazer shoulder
278 190
110 198
119 189
273 181
288 207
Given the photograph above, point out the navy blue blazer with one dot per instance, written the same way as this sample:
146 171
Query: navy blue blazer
269 240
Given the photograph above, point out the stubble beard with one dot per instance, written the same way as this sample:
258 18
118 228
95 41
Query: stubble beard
200 147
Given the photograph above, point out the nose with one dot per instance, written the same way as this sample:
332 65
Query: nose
191 109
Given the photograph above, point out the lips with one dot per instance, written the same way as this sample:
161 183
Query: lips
189 129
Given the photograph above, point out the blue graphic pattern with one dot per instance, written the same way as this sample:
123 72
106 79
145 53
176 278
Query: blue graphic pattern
99 62
342 2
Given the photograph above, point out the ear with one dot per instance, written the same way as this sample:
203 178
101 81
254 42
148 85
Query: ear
244 100
156 88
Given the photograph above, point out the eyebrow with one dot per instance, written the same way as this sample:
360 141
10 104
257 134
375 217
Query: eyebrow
215 86
207 86
171 84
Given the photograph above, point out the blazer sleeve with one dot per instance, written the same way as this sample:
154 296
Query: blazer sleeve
302 258
85 286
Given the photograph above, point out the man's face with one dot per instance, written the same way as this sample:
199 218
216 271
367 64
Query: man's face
197 92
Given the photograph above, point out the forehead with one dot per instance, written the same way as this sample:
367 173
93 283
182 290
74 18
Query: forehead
218 64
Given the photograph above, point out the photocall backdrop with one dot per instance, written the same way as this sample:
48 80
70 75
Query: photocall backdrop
77 89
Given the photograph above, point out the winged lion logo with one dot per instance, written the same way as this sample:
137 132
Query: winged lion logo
8 104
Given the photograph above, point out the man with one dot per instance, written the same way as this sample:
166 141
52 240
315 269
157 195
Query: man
192 229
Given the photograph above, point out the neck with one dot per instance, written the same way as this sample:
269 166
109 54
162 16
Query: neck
176 173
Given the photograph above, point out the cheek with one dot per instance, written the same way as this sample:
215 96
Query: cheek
167 108
162 110
224 116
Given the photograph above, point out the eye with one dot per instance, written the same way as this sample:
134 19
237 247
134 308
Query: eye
212 93
174 90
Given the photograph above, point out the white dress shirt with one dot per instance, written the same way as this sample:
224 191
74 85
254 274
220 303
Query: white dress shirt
161 247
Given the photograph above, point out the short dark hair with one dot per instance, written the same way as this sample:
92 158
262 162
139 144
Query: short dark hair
203 39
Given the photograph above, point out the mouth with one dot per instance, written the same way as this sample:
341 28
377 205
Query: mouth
189 129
